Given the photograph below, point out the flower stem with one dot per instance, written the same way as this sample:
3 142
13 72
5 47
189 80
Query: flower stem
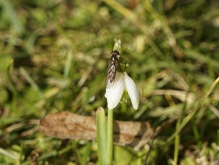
110 137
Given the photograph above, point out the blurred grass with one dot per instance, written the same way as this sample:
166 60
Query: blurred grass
54 56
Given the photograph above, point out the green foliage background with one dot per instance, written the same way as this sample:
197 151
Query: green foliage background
54 55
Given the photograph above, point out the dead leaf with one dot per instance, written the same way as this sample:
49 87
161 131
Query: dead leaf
66 125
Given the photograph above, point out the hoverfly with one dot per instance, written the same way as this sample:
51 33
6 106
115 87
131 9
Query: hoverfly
113 65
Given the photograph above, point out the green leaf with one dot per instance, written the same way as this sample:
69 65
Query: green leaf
101 135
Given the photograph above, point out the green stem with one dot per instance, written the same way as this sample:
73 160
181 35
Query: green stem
176 149
109 137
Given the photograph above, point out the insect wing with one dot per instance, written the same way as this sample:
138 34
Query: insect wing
111 76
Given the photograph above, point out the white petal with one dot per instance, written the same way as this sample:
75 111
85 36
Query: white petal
114 93
132 91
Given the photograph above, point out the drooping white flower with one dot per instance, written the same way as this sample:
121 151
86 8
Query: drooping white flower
122 82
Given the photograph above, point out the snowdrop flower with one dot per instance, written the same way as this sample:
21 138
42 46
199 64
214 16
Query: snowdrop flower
122 82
